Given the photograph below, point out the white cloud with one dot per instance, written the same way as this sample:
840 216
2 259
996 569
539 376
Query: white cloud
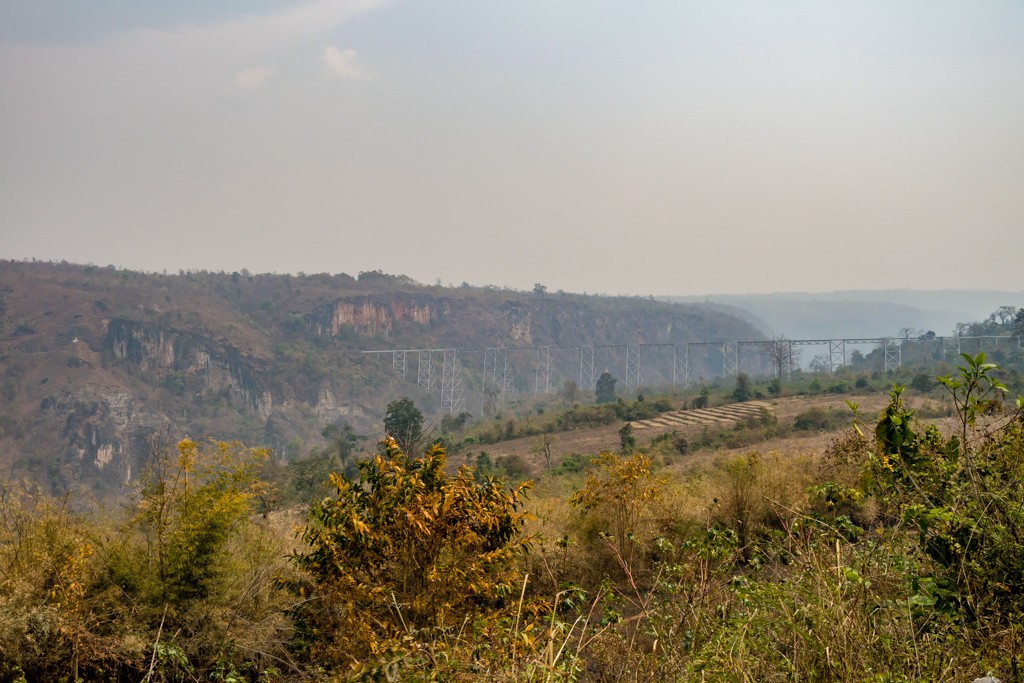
267 31
254 78
343 63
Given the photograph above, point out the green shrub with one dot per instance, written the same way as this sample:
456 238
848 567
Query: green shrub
820 419
962 493
923 383
573 464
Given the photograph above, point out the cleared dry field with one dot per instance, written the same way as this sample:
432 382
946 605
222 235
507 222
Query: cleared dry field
691 422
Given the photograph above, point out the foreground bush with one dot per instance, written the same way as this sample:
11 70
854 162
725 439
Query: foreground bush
404 558
182 587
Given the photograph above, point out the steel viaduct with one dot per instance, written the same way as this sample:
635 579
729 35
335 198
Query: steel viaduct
441 369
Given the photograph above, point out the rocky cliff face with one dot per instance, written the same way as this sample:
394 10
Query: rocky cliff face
376 316
189 361
101 429
137 380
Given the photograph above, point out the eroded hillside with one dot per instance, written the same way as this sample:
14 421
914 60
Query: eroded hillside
95 362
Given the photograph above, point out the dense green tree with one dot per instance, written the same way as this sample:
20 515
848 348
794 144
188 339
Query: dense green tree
742 391
627 440
605 388
450 424
570 390
307 478
1004 315
403 422
922 382
342 441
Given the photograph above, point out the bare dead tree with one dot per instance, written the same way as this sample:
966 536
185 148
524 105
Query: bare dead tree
782 354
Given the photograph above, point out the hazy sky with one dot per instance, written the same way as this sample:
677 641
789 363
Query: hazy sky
623 147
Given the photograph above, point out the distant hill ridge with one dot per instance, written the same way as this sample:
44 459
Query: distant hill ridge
857 313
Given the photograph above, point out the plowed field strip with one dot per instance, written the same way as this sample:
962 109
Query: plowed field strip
705 416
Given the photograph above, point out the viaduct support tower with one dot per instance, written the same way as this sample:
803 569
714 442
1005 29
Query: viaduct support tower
542 371
634 366
836 354
730 359
452 399
893 354
681 366
497 377
425 369
587 379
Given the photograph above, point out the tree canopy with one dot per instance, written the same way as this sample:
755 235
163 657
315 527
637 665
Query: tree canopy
605 388
403 422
